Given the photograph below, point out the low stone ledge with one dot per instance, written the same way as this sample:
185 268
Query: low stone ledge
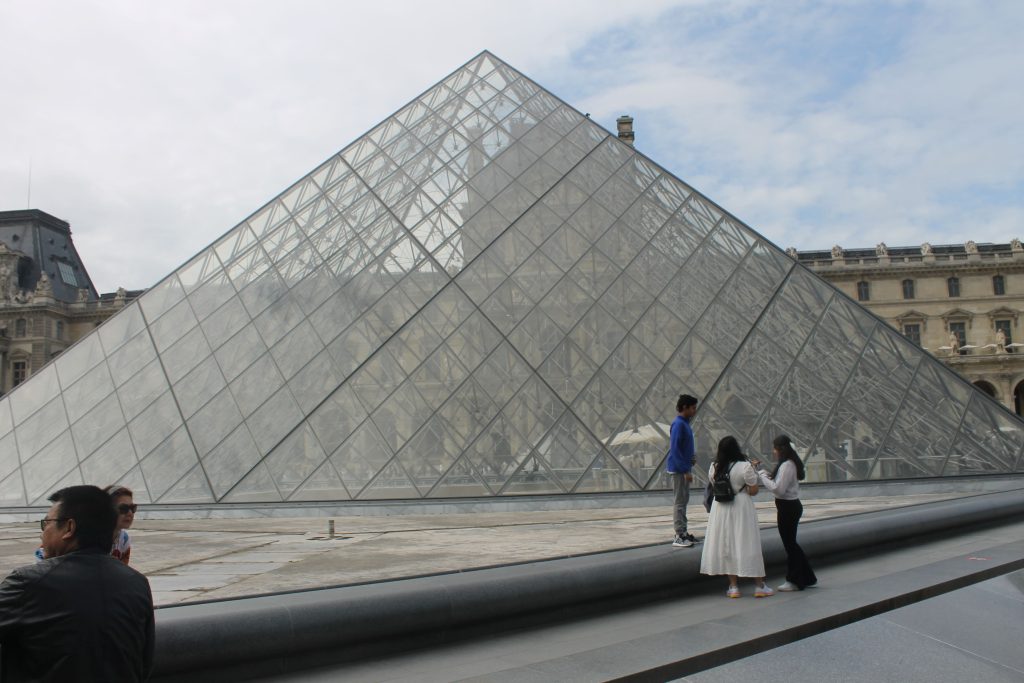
235 639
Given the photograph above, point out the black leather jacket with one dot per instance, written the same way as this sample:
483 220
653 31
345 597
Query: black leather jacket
83 616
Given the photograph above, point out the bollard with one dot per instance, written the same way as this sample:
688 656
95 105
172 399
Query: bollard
330 528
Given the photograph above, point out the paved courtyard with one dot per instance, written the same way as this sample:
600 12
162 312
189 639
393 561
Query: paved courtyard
208 559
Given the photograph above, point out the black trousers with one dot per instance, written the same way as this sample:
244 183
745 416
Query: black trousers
798 569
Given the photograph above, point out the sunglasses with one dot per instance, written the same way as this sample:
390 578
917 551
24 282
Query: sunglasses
125 508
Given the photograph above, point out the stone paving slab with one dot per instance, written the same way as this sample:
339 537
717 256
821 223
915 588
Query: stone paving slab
179 556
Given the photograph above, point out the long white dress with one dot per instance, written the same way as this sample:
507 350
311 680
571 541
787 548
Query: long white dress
732 542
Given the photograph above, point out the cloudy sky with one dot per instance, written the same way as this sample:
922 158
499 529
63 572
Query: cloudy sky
154 127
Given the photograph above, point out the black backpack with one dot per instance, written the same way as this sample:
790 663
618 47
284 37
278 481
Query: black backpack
721 488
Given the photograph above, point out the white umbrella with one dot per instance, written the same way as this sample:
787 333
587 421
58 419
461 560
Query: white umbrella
643 434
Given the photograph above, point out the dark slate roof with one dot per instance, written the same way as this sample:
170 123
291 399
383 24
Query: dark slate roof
46 242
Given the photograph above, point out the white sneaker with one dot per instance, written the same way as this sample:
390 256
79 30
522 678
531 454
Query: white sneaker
682 542
733 592
763 591
788 587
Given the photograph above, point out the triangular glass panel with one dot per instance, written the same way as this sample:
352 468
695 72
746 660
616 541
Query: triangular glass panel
392 482
168 463
324 484
532 478
257 485
192 488
605 475
137 483
294 460
568 449
362 455
639 446
461 481
73 478
47 468
12 491
430 453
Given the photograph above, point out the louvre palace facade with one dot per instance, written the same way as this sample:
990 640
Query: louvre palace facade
486 295
47 300
961 302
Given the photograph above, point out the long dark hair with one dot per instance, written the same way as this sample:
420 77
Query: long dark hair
785 446
728 453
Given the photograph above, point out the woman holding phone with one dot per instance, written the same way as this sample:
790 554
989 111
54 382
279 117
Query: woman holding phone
784 482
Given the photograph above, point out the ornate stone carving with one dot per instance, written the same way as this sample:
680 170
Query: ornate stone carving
954 344
971 247
926 249
881 249
44 288
8 274
1015 245
837 251
8 287
791 252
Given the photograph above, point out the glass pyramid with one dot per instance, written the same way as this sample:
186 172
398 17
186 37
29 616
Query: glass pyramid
486 295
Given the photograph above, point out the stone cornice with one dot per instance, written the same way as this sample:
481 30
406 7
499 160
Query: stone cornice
918 269
75 311
42 217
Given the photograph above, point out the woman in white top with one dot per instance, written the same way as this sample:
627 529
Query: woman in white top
732 542
784 482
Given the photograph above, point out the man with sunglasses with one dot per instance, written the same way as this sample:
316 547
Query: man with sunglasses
79 614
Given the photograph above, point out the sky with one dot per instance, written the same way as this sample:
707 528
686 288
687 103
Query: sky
155 127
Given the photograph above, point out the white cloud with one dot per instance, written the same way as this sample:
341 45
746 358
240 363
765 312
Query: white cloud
155 127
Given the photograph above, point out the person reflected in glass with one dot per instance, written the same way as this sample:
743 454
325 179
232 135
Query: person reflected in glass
123 501
502 453
784 482
732 543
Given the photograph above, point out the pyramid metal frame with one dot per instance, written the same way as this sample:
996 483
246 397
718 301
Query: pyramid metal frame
487 294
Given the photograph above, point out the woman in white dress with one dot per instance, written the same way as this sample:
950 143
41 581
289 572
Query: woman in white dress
732 542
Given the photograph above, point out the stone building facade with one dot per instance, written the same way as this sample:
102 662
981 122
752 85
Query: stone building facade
961 302
47 300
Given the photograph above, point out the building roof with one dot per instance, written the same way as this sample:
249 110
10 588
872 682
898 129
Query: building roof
46 245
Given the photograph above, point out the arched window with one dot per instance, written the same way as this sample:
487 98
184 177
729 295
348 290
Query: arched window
20 327
986 387
953 286
908 289
863 291
998 285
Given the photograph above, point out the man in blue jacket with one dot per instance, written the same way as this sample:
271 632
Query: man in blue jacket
681 459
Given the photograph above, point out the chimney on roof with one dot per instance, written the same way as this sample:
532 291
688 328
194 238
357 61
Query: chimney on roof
625 125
